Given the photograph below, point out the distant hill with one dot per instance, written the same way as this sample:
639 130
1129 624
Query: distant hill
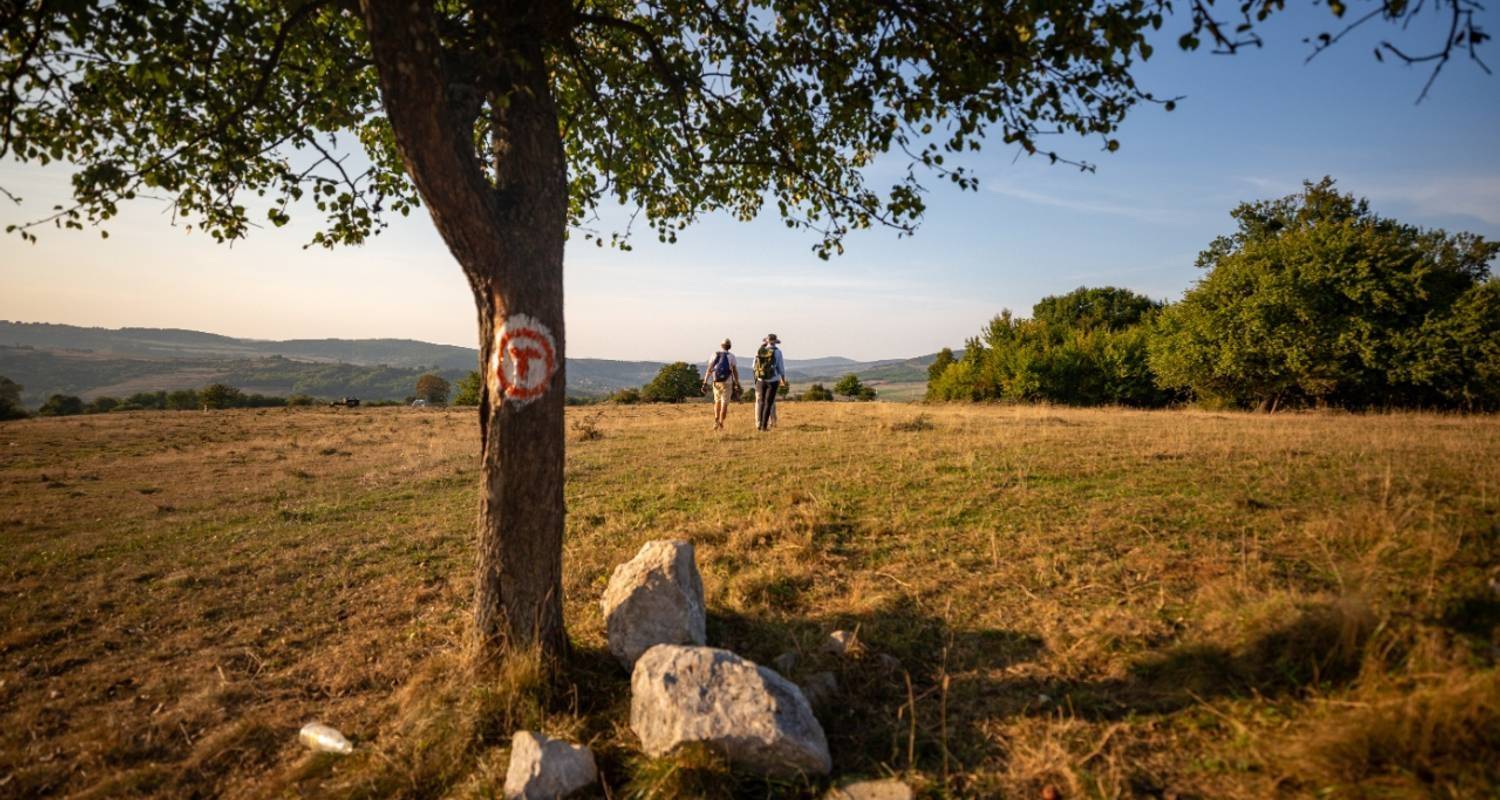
177 343
48 358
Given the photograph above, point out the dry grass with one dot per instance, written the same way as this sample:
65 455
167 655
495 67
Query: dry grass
1107 602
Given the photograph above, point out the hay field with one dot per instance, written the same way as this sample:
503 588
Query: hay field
1104 602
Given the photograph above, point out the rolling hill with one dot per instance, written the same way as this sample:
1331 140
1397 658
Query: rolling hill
48 358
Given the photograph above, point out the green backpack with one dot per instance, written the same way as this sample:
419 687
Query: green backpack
765 363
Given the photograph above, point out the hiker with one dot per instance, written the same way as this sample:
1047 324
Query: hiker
770 374
724 373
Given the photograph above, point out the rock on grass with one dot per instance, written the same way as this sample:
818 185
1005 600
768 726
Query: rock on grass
759 720
547 769
654 598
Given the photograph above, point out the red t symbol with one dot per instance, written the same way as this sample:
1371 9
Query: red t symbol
521 356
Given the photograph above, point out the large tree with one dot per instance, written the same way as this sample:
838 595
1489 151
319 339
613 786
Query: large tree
1317 299
513 121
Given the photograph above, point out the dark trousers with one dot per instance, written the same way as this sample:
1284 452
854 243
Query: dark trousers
765 402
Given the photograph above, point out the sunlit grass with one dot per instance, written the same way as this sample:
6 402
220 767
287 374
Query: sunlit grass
1104 601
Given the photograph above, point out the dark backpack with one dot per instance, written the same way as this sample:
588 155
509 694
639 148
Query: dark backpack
721 367
765 363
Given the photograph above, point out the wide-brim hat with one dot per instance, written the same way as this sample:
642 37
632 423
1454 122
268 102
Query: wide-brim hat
771 338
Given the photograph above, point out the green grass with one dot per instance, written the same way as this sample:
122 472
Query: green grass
1107 602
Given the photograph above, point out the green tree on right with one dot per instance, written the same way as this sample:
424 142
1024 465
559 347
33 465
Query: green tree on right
1316 300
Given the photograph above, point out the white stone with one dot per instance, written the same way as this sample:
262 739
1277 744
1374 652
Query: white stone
756 718
654 598
871 790
840 643
547 769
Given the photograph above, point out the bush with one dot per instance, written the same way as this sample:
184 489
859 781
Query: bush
262 401
624 397
143 400
181 400
219 396
61 405
675 383
10 400
469 388
1087 347
102 405
817 393
301 400
849 386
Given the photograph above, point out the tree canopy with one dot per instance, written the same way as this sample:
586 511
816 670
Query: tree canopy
433 388
1086 347
1315 298
234 111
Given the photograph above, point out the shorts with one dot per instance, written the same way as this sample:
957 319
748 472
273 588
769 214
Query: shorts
722 390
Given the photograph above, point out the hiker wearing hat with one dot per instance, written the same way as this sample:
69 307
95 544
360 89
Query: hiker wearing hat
770 374
724 373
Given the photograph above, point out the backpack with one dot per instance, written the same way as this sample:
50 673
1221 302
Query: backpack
721 367
765 363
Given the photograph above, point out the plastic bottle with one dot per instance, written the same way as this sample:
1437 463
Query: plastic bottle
324 739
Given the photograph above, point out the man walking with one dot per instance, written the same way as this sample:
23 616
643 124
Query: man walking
770 374
724 373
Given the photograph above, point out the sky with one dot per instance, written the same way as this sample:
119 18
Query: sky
1250 126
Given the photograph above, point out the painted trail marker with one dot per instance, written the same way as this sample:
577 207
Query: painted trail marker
523 360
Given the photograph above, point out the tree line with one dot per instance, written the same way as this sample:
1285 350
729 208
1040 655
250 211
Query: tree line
1313 301
430 387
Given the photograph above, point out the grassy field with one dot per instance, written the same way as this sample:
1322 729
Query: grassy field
1105 602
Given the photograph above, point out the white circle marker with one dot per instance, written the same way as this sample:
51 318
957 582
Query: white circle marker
523 360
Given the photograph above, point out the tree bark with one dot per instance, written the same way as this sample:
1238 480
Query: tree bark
508 237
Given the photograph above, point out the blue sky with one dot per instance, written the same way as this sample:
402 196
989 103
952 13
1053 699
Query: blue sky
1251 126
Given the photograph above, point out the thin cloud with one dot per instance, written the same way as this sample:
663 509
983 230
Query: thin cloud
1476 196
1143 214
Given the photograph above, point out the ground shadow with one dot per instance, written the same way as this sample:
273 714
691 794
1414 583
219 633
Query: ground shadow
905 654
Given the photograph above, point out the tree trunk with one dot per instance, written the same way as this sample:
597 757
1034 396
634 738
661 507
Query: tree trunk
508 237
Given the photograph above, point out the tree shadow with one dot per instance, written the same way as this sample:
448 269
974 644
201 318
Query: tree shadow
957 680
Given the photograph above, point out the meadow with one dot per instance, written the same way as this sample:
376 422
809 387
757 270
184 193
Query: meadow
1048 601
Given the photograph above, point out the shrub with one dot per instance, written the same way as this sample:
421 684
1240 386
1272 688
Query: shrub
181 400
624 397
10 400
102 405
61 405
468 390
818 393
1087 347
300 400
849 386
219 395
139 400
675 383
